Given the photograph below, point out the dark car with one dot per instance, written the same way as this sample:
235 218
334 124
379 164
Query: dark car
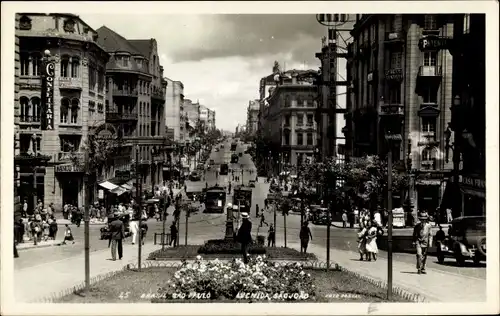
194 176
466 240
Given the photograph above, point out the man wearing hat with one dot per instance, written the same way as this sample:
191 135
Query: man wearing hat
422 240
244 236
117 234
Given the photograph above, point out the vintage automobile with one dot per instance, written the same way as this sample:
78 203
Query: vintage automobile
466 240
320 216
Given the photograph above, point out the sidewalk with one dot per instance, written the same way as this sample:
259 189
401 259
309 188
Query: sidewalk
436 286
44 280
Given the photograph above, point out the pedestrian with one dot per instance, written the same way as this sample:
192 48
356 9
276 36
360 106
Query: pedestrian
304 235
262 219
45 230
271 237
377 218
53 229
68 235
20 231
362 240
422 240
344 219
25 208
144 229
16 254
256 210
371 241
173 234
449 216
117 235
36 230
244 236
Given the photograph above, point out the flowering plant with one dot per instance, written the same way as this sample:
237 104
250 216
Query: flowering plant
230 279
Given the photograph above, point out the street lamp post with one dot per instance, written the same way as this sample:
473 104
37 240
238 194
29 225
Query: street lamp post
139 206
35 189
455 146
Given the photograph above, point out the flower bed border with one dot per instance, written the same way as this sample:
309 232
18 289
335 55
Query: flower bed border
53 297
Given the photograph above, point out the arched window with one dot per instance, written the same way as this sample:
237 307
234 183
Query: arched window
64 110
75 106
75 65
25 64
286 135
287 101
37 64
37 109
154 63
25 109
65 66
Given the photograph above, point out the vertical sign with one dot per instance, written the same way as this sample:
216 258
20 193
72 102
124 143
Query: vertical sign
48 96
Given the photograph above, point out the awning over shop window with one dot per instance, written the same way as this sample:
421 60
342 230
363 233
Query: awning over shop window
476 193
119 191
108 185
129 185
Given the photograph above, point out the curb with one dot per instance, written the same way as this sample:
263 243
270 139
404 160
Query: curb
40 246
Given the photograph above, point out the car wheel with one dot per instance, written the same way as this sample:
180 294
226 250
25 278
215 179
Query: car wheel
459 257
481 246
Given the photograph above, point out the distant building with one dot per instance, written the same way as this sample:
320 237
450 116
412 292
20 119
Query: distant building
402 83
174 107
253 116
211 120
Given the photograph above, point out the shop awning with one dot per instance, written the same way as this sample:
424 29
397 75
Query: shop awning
476 193
119 190
108 185
129 185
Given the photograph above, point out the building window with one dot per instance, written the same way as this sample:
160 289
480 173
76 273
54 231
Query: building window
25 64
139 63
430 22
64 110
287 102
107 105
37 64
75 64
287 120
430 95
69 143
310 139
37 109
370 94
428 125
396 59
300 139
64 66
466 23
287 137
91 106
300 119
395 94
25 109
430 58
75 106
125 61
429 158
310 120
100 80
100 108
373 31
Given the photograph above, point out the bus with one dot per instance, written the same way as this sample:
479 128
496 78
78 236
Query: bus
224 169
243 196
215 200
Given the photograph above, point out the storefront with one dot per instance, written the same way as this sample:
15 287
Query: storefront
430 189
70 183
473 188
117 189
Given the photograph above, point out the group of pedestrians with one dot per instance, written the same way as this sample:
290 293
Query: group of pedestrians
369 229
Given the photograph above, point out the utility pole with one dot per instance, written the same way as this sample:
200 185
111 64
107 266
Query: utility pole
187 217
139 204
389 223
284 222
87 221
164 221
328 225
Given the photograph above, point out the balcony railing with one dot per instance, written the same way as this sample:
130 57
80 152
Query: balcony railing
121 116
391 109
158 95
394 74
429 71
29 119
70 83
125 93
68 156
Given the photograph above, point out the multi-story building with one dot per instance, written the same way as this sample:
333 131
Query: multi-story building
465 193
253 116
63 48
192 116
211 120
289 118
136 101
173 109
402 84
204 118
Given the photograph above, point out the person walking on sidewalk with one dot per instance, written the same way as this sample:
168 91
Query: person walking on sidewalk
362 240
371 242
305 234
68 235
422 240
344 219
173 234
244 236
117 235
256 210
271 237
53 229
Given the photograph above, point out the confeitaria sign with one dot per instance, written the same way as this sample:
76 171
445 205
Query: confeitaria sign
48 96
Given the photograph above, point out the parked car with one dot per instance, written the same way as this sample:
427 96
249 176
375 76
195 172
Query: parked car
466 240
194 176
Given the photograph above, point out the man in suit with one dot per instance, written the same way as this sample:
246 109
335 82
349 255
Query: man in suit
244 236
117 234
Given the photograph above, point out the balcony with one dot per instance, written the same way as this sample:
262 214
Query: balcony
29 120
68 156
394 38
68 83
125 93
391 110
121 116
158 95
428 76
394 74
30 83
429 71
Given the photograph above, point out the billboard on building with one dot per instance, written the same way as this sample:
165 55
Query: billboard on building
47 100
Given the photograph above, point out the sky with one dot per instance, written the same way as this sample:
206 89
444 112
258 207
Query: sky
220 58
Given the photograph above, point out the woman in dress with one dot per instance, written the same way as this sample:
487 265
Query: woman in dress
371 242
362 240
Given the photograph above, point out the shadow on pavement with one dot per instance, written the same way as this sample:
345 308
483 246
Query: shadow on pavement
409 272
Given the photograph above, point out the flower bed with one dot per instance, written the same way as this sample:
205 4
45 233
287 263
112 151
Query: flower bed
235 280
221 246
